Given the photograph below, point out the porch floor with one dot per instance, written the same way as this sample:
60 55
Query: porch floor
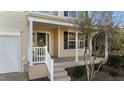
68 59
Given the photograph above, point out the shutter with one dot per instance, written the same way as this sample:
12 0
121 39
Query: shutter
65 40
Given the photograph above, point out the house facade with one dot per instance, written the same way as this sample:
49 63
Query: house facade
31 41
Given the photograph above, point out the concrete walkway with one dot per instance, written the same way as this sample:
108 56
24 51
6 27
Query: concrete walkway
16 76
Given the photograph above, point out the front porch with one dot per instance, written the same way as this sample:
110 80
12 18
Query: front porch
54 45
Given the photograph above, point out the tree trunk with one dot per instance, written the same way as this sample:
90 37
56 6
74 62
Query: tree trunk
106 47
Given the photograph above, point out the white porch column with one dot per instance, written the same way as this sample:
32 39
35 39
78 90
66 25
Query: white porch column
59 42
76 47
106 46
30 41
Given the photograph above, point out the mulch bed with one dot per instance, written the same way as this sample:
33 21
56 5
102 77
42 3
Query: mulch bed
107 73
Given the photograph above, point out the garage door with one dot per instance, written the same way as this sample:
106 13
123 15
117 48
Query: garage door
9 54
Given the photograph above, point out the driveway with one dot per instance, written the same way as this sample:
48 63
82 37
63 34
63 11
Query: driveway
16 76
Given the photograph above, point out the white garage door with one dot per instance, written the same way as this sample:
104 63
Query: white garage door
9 54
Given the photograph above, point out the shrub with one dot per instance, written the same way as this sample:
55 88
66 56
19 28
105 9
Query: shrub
96 67
115 61
76 72
111 70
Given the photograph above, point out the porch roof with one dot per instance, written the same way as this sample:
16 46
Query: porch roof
50 19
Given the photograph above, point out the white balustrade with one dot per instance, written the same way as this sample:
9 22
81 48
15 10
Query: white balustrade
41 55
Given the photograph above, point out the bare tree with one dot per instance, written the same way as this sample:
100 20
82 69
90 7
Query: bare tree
89 26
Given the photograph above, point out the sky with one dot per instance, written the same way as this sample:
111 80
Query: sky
118 16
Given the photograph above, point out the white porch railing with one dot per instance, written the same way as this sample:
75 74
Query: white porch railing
41 55
49 63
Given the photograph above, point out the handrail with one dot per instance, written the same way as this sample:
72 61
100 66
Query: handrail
49 63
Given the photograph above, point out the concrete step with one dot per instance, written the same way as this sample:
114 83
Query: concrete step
66 78
59 69
60 74
59 64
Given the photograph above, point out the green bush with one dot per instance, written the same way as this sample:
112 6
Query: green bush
76 72
116 61
122 56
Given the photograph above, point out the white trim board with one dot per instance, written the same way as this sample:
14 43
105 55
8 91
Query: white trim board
10 33
49 21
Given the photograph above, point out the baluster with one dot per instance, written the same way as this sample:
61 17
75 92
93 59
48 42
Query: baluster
37 54
34 55
40 55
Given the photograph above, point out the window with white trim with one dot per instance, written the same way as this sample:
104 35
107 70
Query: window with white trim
70 40
74 14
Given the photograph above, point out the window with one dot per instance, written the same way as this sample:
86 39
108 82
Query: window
80 41
70 14
80 14
66 13
70 41
74 14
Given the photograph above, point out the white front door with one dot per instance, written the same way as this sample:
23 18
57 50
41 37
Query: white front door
9 54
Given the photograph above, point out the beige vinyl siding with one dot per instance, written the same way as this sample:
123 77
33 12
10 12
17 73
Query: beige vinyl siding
16 21
68 52
12 20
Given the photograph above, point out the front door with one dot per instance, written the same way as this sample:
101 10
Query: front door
43 40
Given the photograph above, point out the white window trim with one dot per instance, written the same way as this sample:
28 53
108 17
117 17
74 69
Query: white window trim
46 32
73 40
71 16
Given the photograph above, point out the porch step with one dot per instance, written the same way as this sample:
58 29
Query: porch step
59 64
60 74
67 78
59 69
